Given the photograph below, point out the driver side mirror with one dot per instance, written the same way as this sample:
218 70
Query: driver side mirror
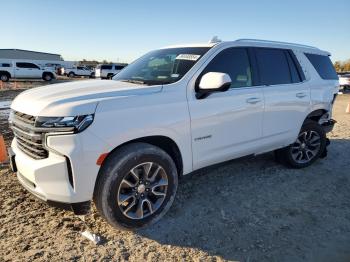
213 82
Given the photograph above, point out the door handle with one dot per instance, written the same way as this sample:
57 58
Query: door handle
253 100
300 95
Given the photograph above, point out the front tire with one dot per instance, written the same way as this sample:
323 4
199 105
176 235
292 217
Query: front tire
4 78
136 186
71 75
308 147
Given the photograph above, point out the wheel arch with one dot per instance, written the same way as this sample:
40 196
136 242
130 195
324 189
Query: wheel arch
316 115
5 73
47 73
165 143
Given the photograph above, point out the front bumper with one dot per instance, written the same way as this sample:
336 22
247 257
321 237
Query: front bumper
80 208
67 175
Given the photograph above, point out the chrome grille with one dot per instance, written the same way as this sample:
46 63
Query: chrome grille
28 140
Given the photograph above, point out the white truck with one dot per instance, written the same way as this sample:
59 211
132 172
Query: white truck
24 70
107 71
124 143
344 81
79 71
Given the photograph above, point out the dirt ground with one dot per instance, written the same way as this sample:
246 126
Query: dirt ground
250 209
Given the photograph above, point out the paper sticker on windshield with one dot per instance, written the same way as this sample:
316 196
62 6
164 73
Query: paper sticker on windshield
190 57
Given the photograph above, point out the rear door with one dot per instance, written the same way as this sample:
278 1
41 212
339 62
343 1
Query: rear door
80 70
118 68
227 124
105 70
286 94
23 70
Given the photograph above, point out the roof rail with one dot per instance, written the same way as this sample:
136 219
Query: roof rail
274 42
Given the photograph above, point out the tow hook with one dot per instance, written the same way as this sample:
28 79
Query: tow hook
324 153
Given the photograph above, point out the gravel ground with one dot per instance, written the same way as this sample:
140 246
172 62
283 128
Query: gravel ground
249 209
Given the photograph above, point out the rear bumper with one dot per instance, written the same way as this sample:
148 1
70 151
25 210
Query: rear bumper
329 125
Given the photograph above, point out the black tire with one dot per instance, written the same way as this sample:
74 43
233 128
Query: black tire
4 77
286 155
71 74
109 76
47 77
118 167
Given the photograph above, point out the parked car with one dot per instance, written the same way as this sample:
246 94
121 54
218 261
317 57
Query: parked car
18 70
107 71
344 81
79 71
124 143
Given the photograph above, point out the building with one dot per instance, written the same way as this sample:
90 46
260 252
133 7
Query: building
28 55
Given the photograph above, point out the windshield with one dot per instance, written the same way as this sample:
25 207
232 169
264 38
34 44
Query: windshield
163 66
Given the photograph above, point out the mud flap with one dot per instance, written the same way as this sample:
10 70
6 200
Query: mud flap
324 153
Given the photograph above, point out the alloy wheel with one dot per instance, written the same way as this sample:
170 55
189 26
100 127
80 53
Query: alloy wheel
142 190
306 147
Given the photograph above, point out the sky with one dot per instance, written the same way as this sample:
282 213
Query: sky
121 31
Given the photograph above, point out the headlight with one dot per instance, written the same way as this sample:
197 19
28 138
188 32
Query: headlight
74 124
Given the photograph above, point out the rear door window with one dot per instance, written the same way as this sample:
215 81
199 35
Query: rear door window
26 65
234 62
106 67
273 66
118 67
323 66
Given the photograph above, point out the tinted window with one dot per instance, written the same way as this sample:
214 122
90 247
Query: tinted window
235 63
107 67
273 66
26 65
80 67
296 77
5 65
119 67
323 66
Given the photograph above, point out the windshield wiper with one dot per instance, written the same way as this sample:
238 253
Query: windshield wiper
139 82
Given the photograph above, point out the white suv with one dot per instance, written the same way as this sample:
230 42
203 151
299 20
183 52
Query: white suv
79 71
107 71
124 143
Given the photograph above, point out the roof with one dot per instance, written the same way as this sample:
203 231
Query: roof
258 42
14 49
191 45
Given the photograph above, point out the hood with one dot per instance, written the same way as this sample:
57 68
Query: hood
75 98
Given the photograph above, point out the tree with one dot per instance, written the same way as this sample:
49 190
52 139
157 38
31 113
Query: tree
342 66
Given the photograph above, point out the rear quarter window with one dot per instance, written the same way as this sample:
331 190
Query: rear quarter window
323 66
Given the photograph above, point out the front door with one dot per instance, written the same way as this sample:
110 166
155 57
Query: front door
227 125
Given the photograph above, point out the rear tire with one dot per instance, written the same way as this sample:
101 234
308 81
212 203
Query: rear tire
308 147
136 186
47 76
71 74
